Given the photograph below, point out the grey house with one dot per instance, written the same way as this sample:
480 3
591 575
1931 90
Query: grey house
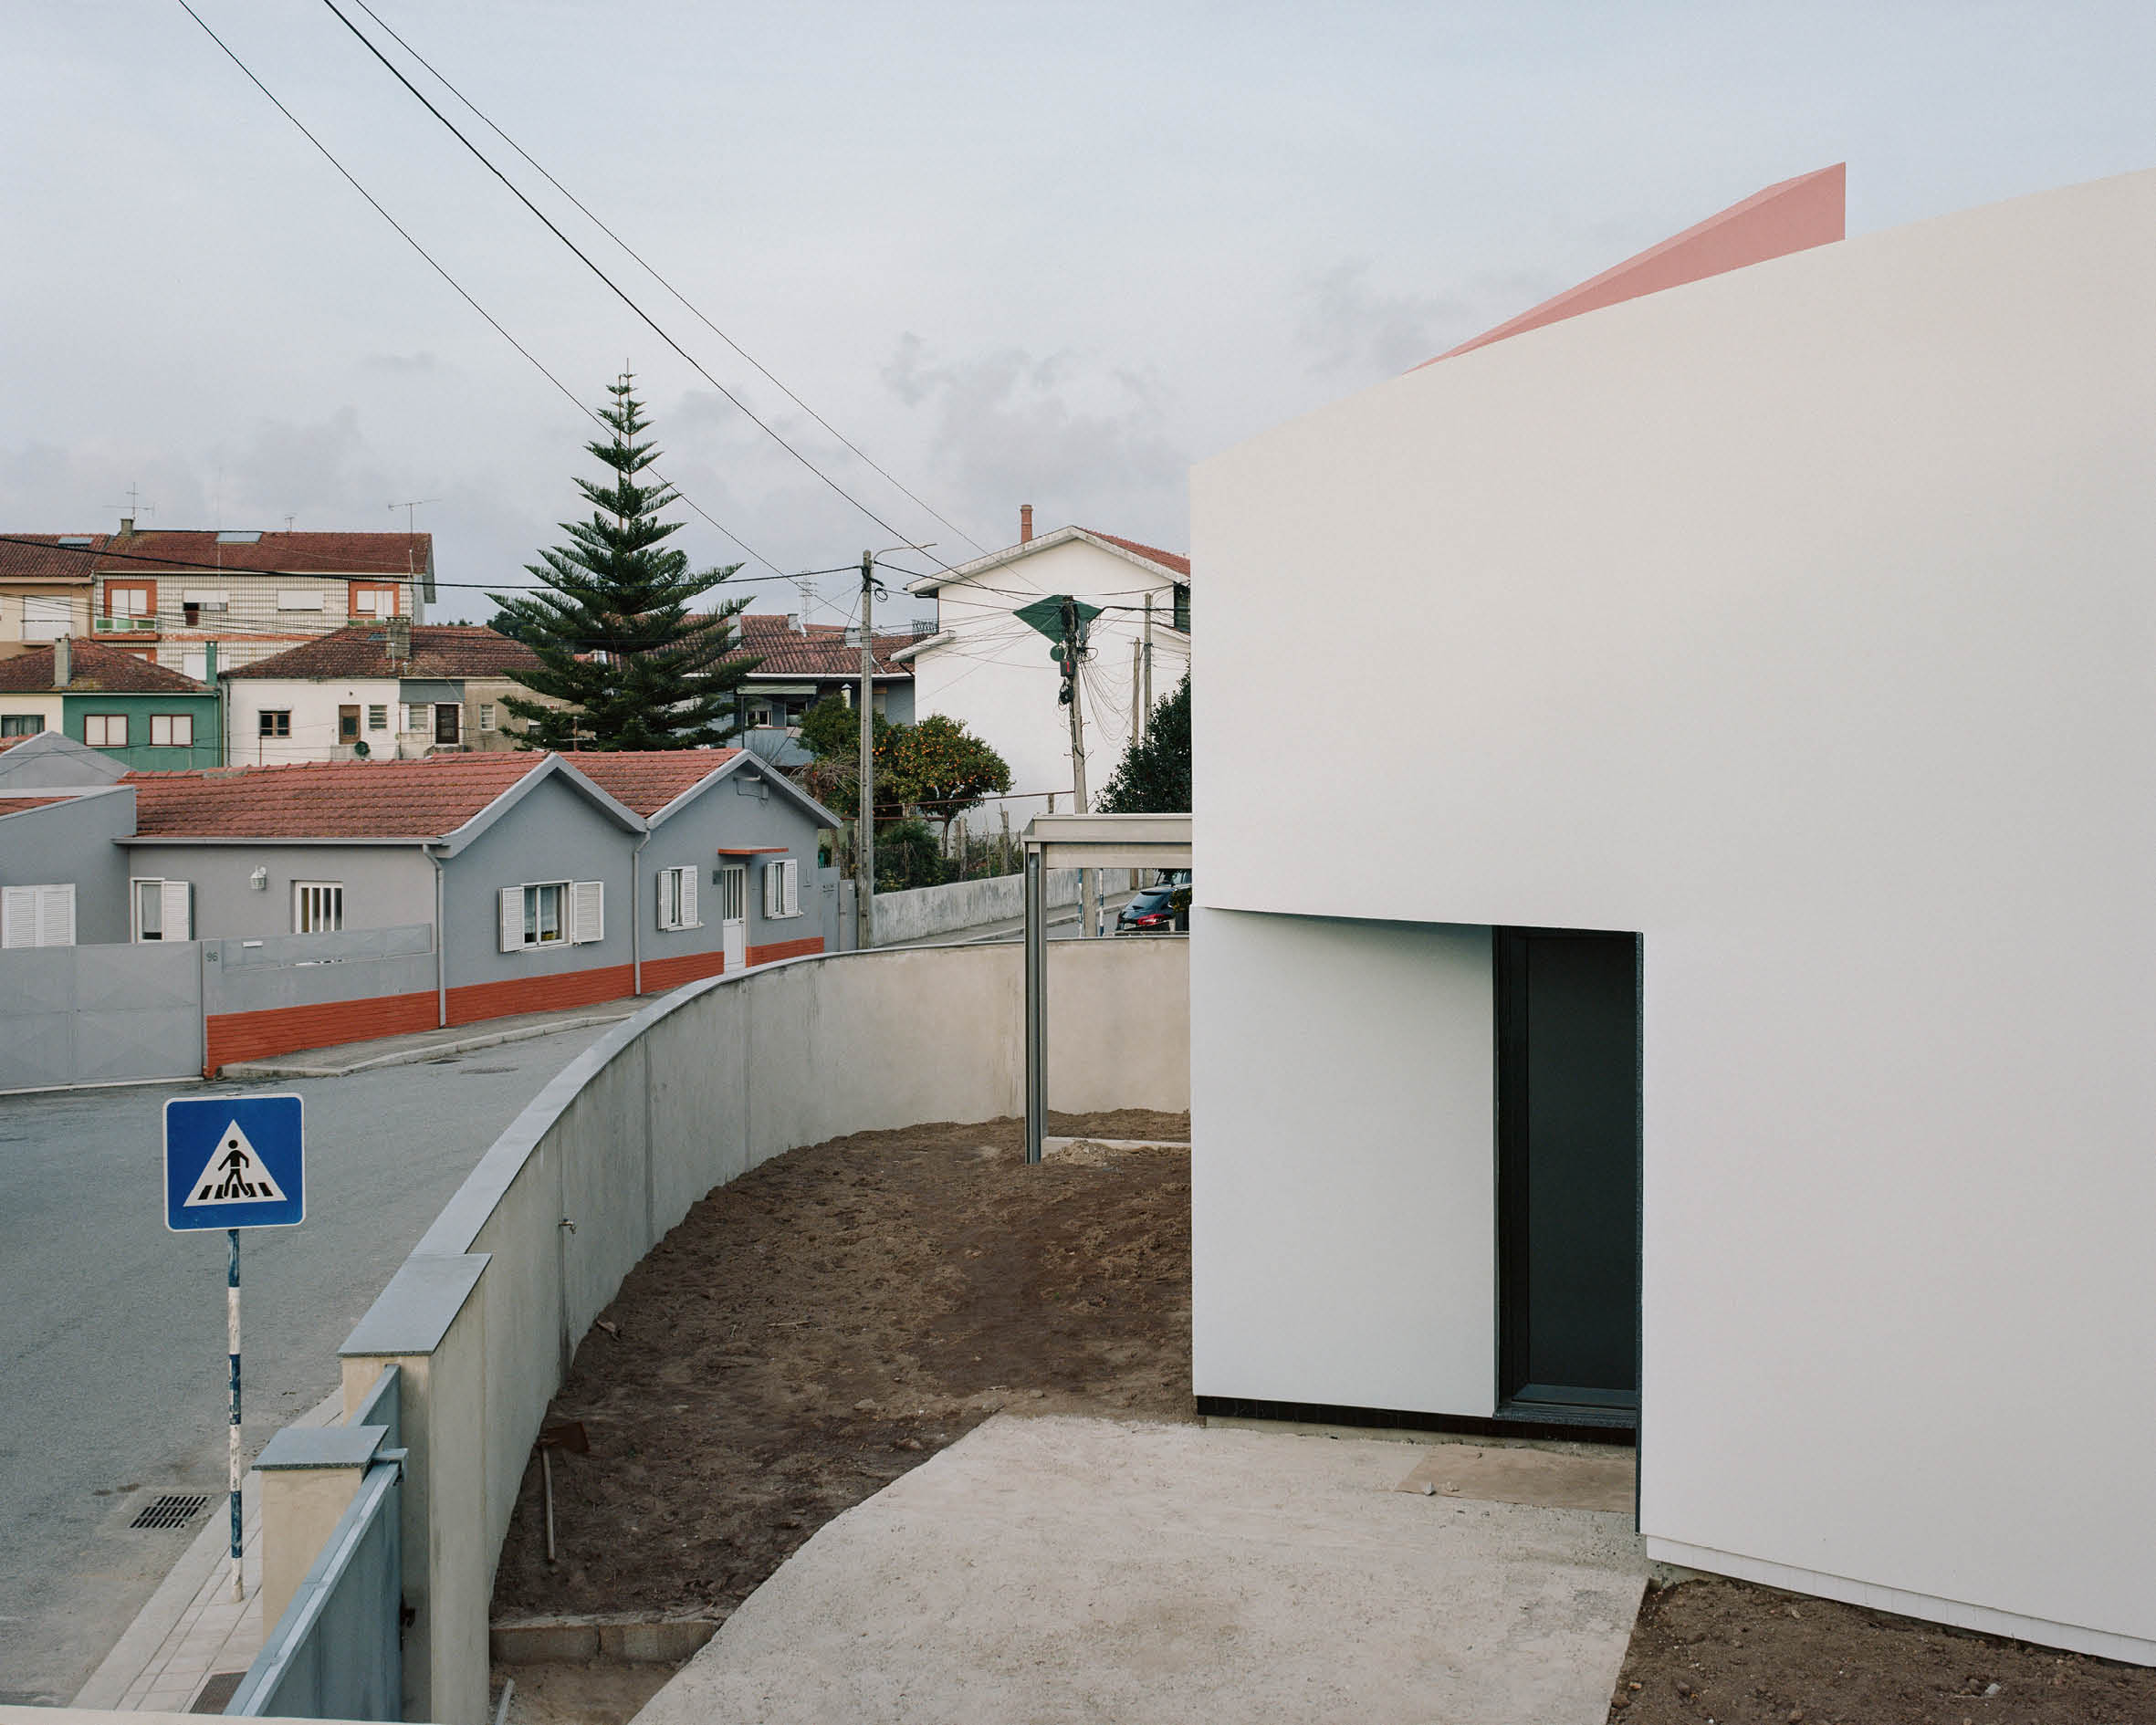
63 881
739 868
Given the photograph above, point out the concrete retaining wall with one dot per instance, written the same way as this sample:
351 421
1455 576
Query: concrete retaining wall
928 911
704 1084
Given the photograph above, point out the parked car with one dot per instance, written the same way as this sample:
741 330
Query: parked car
1159 910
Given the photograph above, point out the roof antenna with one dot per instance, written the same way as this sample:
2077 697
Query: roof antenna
411 509
134 510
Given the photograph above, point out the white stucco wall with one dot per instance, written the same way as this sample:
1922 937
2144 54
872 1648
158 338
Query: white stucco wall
1342 1177
996 676
1802 619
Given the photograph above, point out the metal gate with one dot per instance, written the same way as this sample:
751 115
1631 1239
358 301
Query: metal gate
99 1015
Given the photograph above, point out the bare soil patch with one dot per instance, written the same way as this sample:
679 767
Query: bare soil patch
1740 1655
830 1321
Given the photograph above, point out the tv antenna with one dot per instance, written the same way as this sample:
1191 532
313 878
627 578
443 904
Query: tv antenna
135 510
411 509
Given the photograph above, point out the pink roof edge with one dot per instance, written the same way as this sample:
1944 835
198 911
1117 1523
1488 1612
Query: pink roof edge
1792 215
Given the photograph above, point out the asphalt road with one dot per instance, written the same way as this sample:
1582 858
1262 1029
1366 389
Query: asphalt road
112 1330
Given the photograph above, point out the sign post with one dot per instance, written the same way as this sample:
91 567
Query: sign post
234 1162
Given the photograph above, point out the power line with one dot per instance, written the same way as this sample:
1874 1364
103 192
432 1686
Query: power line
457 287
651 270
615 287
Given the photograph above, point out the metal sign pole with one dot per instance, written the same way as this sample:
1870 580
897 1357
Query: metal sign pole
232 1350
1036 1003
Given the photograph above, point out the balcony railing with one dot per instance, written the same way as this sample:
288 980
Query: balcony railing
123 626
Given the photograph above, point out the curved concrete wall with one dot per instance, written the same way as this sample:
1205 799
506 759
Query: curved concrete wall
703 1085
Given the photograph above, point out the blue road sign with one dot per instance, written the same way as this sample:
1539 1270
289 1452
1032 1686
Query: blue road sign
234 1162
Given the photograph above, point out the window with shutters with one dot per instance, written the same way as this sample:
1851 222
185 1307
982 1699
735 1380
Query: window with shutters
105 730
1182 607
137 600
274 721
378 718
318 907
677 899
782 888
552 914
47 619
486 715
347 725
449 722
299 599
172 730
373 599
162 910
37 915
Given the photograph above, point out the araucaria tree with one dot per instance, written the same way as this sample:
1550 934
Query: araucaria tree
610 622
1154 776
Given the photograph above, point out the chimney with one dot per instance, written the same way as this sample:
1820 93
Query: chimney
398 629
793 623
1025 524
63 663
127 526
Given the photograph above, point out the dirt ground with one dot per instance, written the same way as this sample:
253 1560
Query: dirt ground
1740 1655
833 1318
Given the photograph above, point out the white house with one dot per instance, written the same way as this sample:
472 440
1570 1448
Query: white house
988 668
394 692
1747 1035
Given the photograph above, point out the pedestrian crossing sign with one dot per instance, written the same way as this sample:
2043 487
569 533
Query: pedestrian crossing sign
234 1162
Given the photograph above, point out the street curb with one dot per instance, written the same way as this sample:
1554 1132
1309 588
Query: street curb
413 1056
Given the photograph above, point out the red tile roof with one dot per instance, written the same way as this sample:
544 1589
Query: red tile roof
326 799
16 805
361 650
648 779
49 559
96 668
817 649
1151 553
361 554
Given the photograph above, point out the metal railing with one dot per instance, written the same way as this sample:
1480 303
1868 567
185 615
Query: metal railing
336 1652
123 626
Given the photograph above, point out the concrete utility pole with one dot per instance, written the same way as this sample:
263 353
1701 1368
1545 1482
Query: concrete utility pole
1148 667
1089 891
864 824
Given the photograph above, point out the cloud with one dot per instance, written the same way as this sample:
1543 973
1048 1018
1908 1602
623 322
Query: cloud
1087 443
420 364
1350 325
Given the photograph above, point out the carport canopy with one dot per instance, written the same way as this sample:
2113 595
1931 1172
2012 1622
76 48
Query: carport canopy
1078 842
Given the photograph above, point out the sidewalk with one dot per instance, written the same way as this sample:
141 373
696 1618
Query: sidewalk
430 1045
193 1629
1062 925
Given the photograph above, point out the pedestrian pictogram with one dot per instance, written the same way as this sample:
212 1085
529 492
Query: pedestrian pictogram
236 1174
234 1162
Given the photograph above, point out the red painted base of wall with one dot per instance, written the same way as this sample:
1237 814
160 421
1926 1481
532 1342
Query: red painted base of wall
779 950
258 1036
477 1001
660 974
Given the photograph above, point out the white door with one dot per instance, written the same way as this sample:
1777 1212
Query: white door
733 914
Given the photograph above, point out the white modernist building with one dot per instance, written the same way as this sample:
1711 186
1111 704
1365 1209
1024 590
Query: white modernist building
988 669
1748 1034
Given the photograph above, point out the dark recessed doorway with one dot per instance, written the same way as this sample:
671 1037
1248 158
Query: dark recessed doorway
1568 1175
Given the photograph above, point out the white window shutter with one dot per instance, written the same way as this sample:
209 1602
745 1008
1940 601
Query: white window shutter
688 898
665 895
176 909
512 919
18 916
586 917
790 888
56 914
774 889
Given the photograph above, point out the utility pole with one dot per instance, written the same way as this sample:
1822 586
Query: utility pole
1137 712
864 824
1148 665
1088 882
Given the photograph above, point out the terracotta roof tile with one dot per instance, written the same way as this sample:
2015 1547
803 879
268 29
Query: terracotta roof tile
817 650
1152 553
361 554
49 559
326 799
16 805
648 779
361 650
95 668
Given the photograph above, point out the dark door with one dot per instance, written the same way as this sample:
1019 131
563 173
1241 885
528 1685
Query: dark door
1568 1174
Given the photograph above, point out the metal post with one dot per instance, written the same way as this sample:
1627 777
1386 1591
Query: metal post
1147 663
232 1352
1089 891
864 824
1036 1004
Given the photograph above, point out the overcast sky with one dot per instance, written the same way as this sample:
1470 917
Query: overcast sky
1016 253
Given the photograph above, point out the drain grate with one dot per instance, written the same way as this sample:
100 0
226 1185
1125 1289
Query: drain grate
221 1688
173 1510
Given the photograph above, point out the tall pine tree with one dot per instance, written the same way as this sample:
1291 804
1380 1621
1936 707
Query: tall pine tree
611 625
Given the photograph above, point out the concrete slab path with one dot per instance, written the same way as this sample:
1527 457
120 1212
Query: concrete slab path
1067 1569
